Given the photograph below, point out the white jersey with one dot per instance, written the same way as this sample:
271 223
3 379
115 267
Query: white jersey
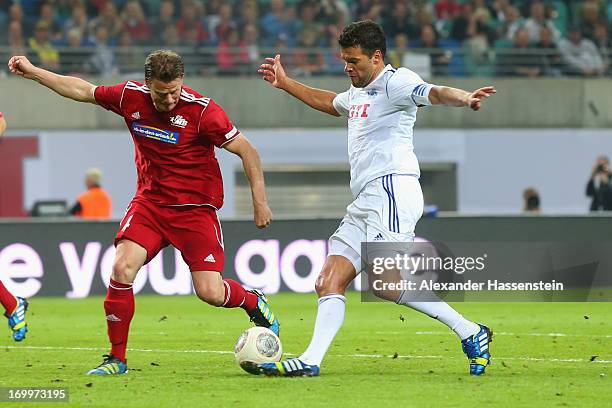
381 117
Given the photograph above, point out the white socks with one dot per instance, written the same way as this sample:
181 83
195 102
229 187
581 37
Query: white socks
441 311
330 316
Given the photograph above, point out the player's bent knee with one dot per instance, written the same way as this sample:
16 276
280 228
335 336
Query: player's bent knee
213 298
124 271
336 275
329 283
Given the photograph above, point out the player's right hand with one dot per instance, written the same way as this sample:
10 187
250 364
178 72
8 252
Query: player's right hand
20 65
273 72
262 215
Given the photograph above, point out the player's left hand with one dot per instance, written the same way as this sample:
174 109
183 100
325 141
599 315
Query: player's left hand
263 215
475 98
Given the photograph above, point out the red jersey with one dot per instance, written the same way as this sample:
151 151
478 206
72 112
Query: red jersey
175 151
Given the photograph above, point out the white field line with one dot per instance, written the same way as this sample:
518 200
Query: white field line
379 356
496 333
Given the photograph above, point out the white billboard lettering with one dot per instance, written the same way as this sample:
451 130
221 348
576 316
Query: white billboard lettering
314 251
269 279
80 273
20 261
180 284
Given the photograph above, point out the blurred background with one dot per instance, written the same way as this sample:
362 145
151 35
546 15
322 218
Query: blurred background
538 148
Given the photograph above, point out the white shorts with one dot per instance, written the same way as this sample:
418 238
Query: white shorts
386 210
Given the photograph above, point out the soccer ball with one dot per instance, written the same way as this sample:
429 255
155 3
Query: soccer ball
255 346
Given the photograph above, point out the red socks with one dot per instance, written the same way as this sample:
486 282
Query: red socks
237 296
7 299
119 308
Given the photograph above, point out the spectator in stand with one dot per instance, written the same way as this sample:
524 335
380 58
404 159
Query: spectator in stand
464 23
482 12
531 201
191 29
309 22
16 40
250 35
398 51
447 9
522 59
129 60
102 62
398 21
360 8
170 37
536 20
224 25
248 14
551 57
334 64
440 58
16 14
63 8
374 13
308 61
46 55
273 23
334 12
590 19
291 25
602 42
232 55
192 38
72 57
513 22
580 55
500 10
47 16
78 20
108 18
165 18
134 22
95 203
599 187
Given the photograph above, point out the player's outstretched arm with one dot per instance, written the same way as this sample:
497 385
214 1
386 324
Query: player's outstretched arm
242 147
444 95
67 86
319 99
2 124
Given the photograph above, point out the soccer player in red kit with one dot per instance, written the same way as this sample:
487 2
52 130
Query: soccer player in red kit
15 307
175 131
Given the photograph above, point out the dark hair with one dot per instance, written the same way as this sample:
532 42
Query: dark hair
533 203
365 34
164 65
532 199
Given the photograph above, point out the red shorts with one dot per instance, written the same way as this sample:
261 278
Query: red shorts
193 230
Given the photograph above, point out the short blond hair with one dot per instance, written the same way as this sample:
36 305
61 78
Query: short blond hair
94 174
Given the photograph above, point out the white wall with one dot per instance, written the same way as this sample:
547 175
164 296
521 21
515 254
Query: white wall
494 166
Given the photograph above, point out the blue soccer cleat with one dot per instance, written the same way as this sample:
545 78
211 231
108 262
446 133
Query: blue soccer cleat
262 315
476 348
292 367
16 320
111 365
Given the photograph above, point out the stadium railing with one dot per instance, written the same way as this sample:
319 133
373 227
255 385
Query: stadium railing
445 61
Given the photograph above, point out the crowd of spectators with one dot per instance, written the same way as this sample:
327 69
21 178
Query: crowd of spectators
460 37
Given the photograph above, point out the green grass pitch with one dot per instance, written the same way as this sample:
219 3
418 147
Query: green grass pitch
385 355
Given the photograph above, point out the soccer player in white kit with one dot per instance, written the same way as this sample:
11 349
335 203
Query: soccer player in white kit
381 106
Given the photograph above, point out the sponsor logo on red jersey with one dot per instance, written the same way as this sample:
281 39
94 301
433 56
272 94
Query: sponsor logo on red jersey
155 133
